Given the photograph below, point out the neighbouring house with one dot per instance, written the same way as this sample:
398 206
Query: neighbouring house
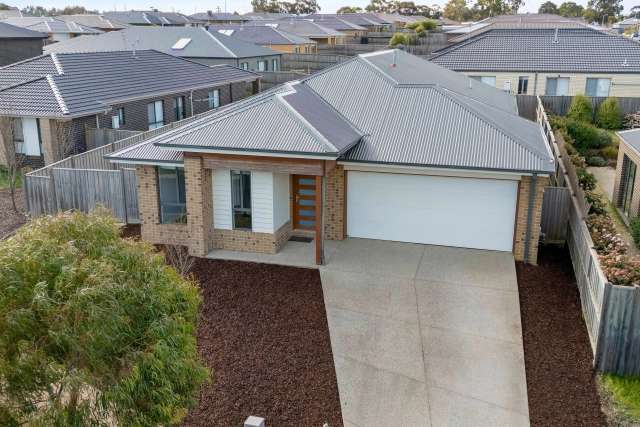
548 61
383 146
56 29
97 22
626 189
370 21
194 43
342 25
57 98
268 16
150 18
11 12
632 24
305 28
210 17
269 37
18 43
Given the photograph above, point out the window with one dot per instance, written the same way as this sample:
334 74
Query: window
244 66
488 80
274 65
26 136
214 98
171 188
597 87
155 114
523 85
627 183
241 199
557 86
178 108
118 119
18 134
262 65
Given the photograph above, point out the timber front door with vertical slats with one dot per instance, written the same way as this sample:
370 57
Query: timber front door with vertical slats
304 202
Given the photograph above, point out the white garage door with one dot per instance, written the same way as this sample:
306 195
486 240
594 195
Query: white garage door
461 212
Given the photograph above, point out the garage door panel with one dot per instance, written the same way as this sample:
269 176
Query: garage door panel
462 212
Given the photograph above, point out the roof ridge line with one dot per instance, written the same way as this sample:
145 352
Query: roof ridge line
219 42
57 94
481 115
24 82
57 63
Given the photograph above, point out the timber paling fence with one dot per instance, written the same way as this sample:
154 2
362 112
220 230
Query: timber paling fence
86 180
310 62
611 312
559 105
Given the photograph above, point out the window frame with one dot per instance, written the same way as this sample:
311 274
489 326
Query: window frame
242 209
179 108
181 191
482 79
213 98
264 64
156 123
244 66
121 116
629 172
274 65
523 85
557 80
597 86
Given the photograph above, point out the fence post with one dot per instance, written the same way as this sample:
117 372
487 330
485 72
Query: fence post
54 195
124 197
604 309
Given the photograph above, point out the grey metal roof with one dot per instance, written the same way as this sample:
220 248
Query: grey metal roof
429 124
211 16
335 23
8 31
202 44
149 17
259 34
301 27
47 24
631 137
362 19
81 84
12 12
93 21
384 116
578 50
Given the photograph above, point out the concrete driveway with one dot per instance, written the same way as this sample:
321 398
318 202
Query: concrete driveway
425 335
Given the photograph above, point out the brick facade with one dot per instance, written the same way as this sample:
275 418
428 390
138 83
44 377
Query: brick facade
198 182
249 241
634 206
334 220
522 217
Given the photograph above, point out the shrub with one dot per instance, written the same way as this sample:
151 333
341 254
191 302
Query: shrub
606 239
585 135
596 161
399 39
558 122
635 230
597 202
604 138
610 152
93 328
609 114
581 109
586 179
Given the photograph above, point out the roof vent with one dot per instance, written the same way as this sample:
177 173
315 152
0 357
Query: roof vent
395 58
226 32
181 44
555 36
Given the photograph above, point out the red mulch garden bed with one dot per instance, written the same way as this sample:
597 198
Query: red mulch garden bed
560 380
263 332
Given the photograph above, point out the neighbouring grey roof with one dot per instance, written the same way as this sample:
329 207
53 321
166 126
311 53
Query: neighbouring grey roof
361 19
361 111
80 84
47 24
12 32
202 44
12 12
538 50
335 23
94 21
267 15
149 17
260 34
301 27
631 137
225 17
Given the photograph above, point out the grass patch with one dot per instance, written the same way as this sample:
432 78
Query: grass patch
625 392
4 178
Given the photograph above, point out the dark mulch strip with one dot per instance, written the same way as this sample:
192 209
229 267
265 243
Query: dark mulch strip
263 331
560 380
9 219
130 230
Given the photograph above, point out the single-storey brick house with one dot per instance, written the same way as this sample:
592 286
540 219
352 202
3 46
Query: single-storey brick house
55 98
626 190
384 146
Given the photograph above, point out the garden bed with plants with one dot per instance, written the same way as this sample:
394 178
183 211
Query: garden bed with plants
589 140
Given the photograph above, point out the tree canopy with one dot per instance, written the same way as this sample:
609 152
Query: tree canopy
570 9
296 7
603 11
68 10
349 9
548 7
94 329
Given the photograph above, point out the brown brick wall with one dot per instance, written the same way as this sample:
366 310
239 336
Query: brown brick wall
149 208
334 204
248 241
198 182
633 156
522 217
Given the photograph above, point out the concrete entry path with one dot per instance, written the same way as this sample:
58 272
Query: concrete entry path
425 335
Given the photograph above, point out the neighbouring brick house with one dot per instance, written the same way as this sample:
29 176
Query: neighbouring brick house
56 98
384 146
626 190
18 43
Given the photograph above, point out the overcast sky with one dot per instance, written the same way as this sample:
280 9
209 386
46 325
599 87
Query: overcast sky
191 6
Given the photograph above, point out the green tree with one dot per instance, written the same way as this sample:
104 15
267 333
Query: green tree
300 7
634 12
548 7
457 10
95 330
581 109
4 6
609 114
267 6
486 8
514 5
382 6
602 11
349 9
400 39
570 9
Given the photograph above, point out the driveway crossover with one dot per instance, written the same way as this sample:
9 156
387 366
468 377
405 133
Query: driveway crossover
425 335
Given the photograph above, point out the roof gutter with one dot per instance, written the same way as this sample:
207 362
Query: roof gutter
521 172
247 152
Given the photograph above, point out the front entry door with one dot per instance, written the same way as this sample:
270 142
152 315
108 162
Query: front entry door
304 202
